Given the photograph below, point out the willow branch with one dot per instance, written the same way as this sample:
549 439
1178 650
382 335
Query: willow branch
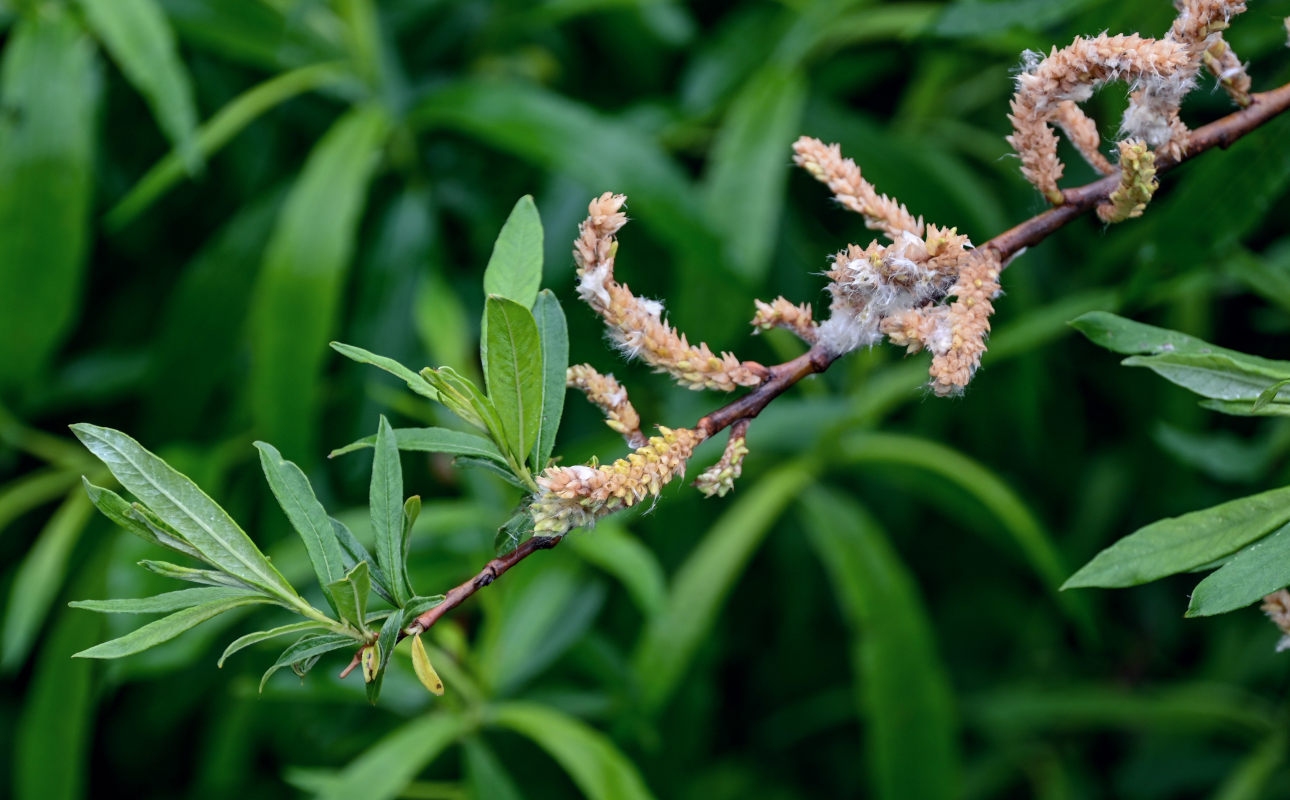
779 378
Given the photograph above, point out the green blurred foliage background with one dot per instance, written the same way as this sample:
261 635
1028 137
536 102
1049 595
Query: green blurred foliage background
196 195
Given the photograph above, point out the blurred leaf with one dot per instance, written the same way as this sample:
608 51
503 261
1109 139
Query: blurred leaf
258 33
31 490
167 628
673 636
1177 544
1255 571
1267 274
135 33
387 767
743 191
1219 377
902 690
386 497
599 769
227 123
485 774
433 440
965 18
160 603
1251 778
309 647
243 642
423 668
415 382
554 335
349 595
39 578
441 325
611 548
57 716
186 508
296 496
1019 523
515 268
1220 455
298 292
513 368
49 87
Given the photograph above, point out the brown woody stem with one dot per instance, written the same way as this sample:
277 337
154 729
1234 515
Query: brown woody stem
779 378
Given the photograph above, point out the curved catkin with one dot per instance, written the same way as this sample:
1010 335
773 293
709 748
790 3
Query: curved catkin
636 324
1137 183
781 313
607 394
882 213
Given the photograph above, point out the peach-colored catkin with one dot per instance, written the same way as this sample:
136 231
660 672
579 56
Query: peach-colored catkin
577 496
1277 605
1082 133
826 164
610 397
1137 183
780 313
1071 74
636 324
1224 65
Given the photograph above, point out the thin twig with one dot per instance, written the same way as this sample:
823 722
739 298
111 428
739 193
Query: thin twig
1220 133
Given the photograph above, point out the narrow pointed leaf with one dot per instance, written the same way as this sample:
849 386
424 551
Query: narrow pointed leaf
167 628
424 670
243 642
210 577
49 86
433 440
309 647
1122 335
515 268
384 649
1255 571
131 517
307 515
413 379
554 335
349 595
1216 376
411 510
1269 395
355 552
182 505
386 498
140 41
161 603
1178 544
298 294
513 368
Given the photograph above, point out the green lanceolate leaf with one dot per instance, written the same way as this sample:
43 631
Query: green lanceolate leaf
137 36
209 577
243 642
513 369
161 603
414 381
186 508
1243 408
307 515
307 649
386 497
298 293
433 440
385 769
349 595
49 87
1122 335
355 553
1269 395
1216 376
1178 544
167 628
411 510
901 684
554 335
515 268
600 770
458 396
1257 570
134 518
384 649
